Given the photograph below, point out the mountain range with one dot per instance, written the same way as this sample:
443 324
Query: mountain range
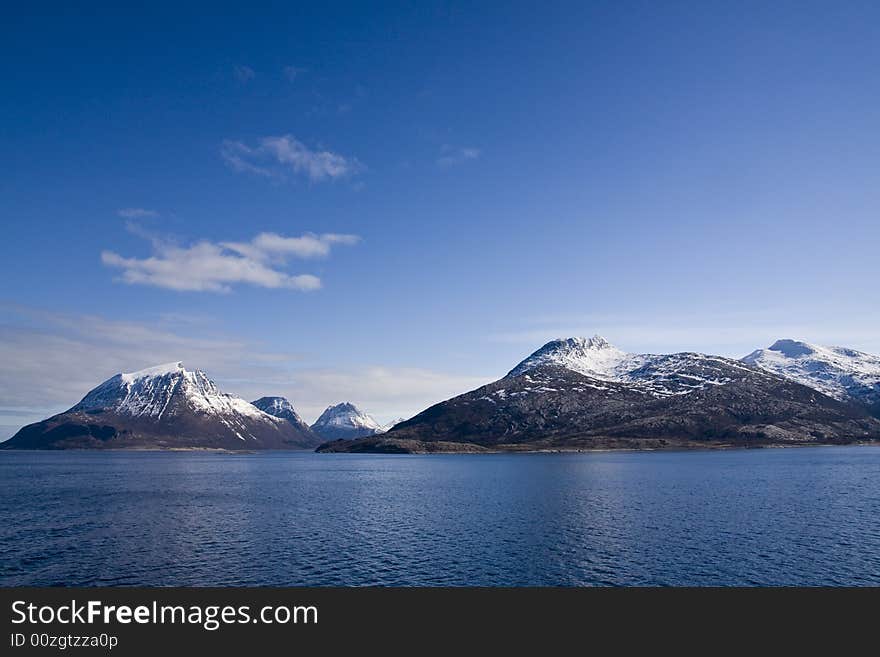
584 393
171 407
571 394
845 374
343 420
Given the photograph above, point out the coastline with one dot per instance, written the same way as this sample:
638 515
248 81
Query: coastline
391 448
462 449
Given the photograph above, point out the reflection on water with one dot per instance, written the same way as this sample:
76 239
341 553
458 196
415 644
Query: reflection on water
796 516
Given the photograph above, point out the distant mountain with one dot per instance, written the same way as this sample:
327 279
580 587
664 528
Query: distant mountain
166 406
345 421
388 427
580 393
839 372
281 407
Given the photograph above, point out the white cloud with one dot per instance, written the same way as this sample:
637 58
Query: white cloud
275 157
215 267
451 156
267 245
136 213
243 74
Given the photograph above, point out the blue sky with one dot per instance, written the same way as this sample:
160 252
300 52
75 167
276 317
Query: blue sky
392 205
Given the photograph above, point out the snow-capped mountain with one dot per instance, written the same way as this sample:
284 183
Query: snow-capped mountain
579 393
594 357
149 393
162 406
391 425
282 408
838 372
657 374
345 420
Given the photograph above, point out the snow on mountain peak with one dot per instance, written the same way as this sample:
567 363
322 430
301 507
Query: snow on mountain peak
157 370
273 405
838 372
279 407
595 357
792 348
388 427
345 419
597 342
164 391
347 413
659 375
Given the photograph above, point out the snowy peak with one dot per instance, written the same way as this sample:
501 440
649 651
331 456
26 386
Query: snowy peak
792 348
595 357
165 391
596 342
273 405
839 372
659 375
279 407
579 393
345 420
166 406
156 371
388 427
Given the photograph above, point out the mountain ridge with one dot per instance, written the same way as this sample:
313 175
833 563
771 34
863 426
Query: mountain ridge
580 393
839 372
165 406
571 393
281 407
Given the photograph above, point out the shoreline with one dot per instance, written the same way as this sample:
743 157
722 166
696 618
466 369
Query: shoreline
470 450
607 450
486 451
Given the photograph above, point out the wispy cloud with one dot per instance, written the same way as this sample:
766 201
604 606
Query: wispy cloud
136 213
243 74
450 156
267 245
216 267
293 72
276 157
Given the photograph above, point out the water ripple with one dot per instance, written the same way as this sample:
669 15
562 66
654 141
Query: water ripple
762 517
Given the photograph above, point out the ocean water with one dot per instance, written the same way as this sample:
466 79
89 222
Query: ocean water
754 517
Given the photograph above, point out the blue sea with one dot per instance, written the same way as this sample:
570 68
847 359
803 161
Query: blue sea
806 516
